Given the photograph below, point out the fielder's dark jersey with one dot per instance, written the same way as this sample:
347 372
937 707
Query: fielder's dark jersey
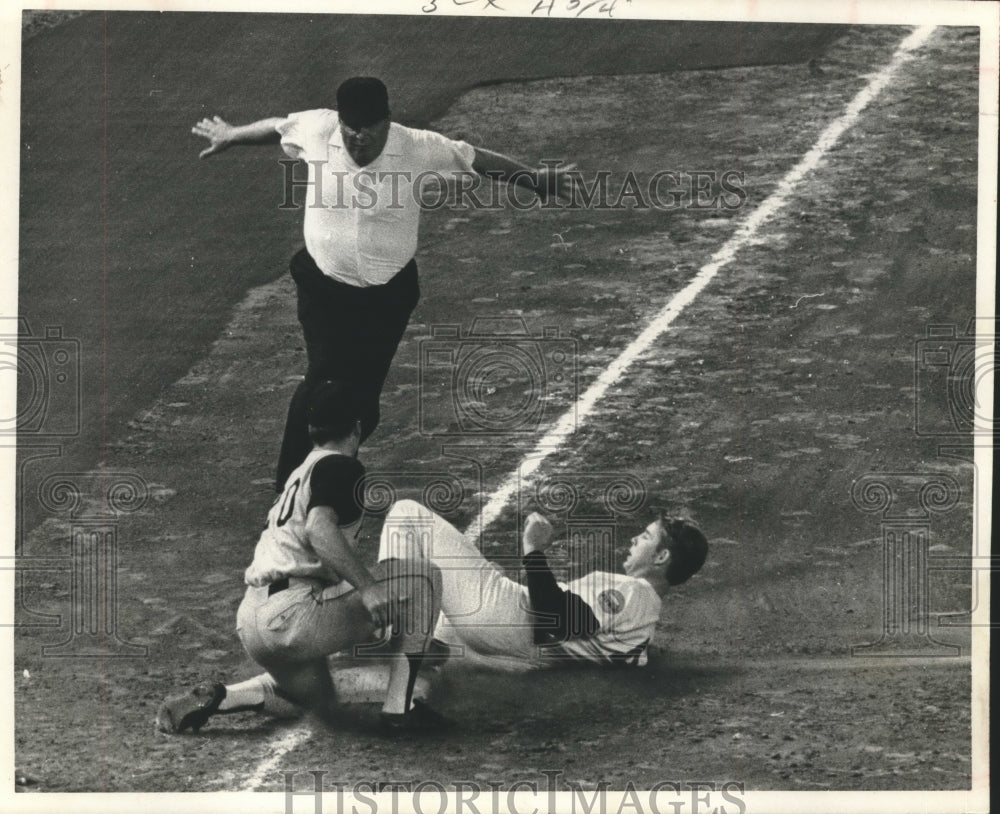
324 478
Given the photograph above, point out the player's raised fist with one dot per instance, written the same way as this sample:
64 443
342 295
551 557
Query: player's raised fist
537 533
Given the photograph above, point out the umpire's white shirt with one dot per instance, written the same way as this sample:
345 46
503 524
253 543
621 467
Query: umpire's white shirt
361 222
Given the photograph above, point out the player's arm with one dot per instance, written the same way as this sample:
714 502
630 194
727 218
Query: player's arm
341 561
562 615
222 135
543 182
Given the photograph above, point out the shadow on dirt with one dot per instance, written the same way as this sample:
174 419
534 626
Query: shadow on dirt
544 697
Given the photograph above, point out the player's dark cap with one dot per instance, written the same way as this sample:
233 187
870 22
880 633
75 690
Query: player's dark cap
688 548
362 101
333 407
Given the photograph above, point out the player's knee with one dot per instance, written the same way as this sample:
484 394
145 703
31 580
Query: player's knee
425 592
429 576
437 581
405 508
416 570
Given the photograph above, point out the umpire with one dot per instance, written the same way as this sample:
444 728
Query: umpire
356 278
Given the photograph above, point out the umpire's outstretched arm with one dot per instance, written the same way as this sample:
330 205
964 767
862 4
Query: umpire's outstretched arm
222 135
557 181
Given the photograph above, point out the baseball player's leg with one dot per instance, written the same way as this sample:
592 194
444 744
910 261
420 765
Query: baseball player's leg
412 527
274 630
482 608
248 695
308 684
290 634
192 709
415 589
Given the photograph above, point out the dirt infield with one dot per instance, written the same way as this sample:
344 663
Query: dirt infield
151 256
787 381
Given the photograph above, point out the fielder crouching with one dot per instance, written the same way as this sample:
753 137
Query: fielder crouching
309 594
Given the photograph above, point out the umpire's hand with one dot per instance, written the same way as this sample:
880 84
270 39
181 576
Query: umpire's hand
219 133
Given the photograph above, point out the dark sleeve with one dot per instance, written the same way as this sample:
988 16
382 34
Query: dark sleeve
337 481
558 615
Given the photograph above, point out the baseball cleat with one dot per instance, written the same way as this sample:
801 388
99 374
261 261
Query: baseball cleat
420 718
190 711
436 655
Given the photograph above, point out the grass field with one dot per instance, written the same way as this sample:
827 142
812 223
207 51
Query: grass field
787 384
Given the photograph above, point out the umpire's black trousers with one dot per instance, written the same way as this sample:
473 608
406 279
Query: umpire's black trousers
351 335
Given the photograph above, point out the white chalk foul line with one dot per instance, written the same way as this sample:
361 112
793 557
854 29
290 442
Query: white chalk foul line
565 426
775 201
288 742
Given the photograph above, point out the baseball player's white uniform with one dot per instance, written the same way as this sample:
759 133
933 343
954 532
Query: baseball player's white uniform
491 614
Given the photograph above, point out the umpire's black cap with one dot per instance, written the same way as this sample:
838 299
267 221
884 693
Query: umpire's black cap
362 100
333 406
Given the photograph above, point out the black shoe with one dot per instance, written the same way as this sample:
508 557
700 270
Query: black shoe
436 655
190 711
420 718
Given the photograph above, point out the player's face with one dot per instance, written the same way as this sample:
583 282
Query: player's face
643 555
365 144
